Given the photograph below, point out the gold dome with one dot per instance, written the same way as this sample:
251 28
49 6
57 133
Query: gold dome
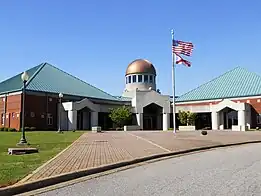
140 66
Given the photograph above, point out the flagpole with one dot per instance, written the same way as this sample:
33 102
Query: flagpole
173 86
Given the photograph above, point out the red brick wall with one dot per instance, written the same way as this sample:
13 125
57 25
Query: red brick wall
13 110
37 108
1 110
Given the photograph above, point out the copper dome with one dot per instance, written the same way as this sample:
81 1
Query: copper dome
140 66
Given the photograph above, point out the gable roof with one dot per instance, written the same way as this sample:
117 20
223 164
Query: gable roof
47 78
237 82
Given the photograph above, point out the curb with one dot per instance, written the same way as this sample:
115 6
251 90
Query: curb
44 164
30 186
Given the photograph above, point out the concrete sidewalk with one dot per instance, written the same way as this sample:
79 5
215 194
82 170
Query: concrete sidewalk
96 149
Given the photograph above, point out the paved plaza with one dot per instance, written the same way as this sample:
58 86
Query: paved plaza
97 149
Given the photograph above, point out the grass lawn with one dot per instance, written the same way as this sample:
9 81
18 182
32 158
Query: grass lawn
15 167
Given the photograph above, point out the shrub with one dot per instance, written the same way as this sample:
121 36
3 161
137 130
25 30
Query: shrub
5 129
2 128
11 129
204 132
187 118
120 115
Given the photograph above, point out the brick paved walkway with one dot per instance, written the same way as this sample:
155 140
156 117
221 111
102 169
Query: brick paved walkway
96 149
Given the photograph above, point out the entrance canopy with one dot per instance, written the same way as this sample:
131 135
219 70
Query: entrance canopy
226 103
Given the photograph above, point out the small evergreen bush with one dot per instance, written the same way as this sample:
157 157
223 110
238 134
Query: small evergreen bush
11 130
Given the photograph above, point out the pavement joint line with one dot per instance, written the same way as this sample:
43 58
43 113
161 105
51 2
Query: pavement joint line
49 181
165 149
46 163
105 173
112 171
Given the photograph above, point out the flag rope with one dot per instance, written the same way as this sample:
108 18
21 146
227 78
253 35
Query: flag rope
173 86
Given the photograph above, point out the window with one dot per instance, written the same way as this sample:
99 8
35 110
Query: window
13 115
146 77
126 80
134 78
151 79
139 78
258 119
50 119
2 119
129 79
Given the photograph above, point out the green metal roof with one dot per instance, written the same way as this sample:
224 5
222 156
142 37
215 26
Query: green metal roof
237 82
15 83
47 78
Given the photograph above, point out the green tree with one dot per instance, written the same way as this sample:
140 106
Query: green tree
120 115
191 118
187 117
182 116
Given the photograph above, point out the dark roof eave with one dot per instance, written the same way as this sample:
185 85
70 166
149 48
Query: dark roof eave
95 98
12 91
183 101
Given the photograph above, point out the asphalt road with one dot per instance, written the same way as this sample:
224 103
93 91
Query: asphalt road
227 171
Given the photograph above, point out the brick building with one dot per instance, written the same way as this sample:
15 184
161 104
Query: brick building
42 101
230 101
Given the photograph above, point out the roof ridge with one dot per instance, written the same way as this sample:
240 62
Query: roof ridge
35 73
210 81
81 80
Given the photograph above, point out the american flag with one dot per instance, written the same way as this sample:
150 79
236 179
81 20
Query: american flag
180 60
180 47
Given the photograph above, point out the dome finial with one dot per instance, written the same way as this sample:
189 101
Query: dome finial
141 66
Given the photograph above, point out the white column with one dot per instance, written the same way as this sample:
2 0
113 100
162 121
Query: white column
214 119
72 120
165 122
94 119
241 120
139 117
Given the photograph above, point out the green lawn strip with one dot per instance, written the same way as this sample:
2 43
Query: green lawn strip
15 167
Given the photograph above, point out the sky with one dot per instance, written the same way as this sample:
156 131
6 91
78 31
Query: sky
95 40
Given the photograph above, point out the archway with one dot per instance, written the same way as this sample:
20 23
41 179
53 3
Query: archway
152 117
84 119
228 117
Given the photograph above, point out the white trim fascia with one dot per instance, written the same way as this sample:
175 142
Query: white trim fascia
214 100
10 94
